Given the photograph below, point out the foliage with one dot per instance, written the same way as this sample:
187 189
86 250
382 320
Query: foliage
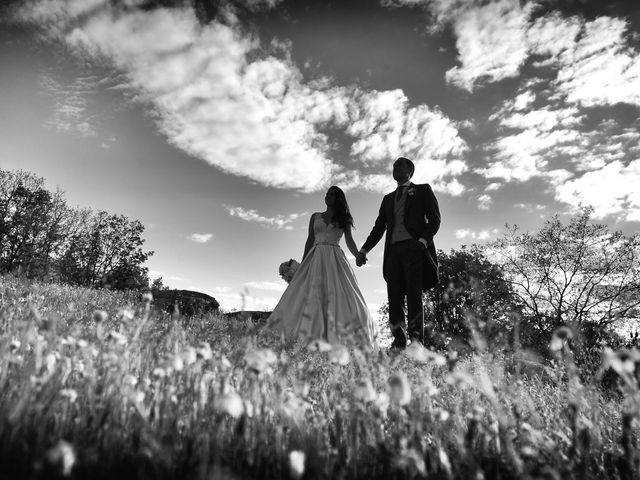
95 383
42 238
574 273
472 305
107 253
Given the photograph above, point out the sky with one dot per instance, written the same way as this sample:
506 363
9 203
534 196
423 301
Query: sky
220 126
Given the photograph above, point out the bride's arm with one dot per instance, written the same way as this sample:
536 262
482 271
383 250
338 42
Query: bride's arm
310 237
351 245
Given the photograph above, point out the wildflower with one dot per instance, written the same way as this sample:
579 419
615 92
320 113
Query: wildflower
560 338
225 364
444 461
296 463
50 361
16 359
126 314
230 404
442 415
318 345
400 388
295 408
110 357
382 402
61 457
340 355
82 343
159 372
69 393
411 459
78 366
15 345
418 353
260 361
204 351
248 408
176 363
147 297
364 391
189 355
430 388
118 337
130 380
100 316
69 340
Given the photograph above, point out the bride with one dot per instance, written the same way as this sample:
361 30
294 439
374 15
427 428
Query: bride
323 300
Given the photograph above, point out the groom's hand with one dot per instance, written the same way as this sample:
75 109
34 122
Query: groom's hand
361 259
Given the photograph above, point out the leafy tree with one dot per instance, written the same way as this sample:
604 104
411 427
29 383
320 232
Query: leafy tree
473 304
158 285
107 253
41 237
576 273
32 224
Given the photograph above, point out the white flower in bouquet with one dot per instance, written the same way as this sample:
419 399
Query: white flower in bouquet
288 269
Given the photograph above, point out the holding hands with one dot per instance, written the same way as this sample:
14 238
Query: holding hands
361 259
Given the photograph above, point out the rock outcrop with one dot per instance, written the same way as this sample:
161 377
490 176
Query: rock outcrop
189 302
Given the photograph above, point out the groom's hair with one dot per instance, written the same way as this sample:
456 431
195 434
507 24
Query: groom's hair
412 167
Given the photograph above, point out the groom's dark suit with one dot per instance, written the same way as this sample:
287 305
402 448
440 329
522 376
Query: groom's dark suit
409 268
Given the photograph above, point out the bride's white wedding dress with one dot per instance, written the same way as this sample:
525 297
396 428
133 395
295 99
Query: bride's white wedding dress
323 300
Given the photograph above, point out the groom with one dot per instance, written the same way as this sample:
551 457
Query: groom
411 217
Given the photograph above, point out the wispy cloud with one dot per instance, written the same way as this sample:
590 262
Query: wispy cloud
240 106
279 221
562 144
611 190
271 286
491 41
200 237
483 235
70 104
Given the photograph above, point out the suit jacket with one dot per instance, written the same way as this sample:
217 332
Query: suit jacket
421 219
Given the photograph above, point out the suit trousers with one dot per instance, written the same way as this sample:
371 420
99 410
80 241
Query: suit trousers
404 279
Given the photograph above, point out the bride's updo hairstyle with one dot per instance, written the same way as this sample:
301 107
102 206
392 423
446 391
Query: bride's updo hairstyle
341 214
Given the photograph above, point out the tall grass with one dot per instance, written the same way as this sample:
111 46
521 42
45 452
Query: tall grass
97 383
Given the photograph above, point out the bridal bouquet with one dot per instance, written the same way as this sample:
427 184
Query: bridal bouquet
288 269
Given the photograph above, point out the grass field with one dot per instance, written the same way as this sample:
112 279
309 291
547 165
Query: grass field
96 384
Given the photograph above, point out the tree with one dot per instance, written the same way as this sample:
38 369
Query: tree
107 253
472 305
575 273
32 224
158 284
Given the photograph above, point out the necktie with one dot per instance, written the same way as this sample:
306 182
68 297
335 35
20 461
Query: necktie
400 192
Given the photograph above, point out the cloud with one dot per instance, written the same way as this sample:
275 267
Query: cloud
221 290
559 142
491 42
593 61
484 202
200 237
71 104
273 286
279 221
611 190
219 95
483 235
